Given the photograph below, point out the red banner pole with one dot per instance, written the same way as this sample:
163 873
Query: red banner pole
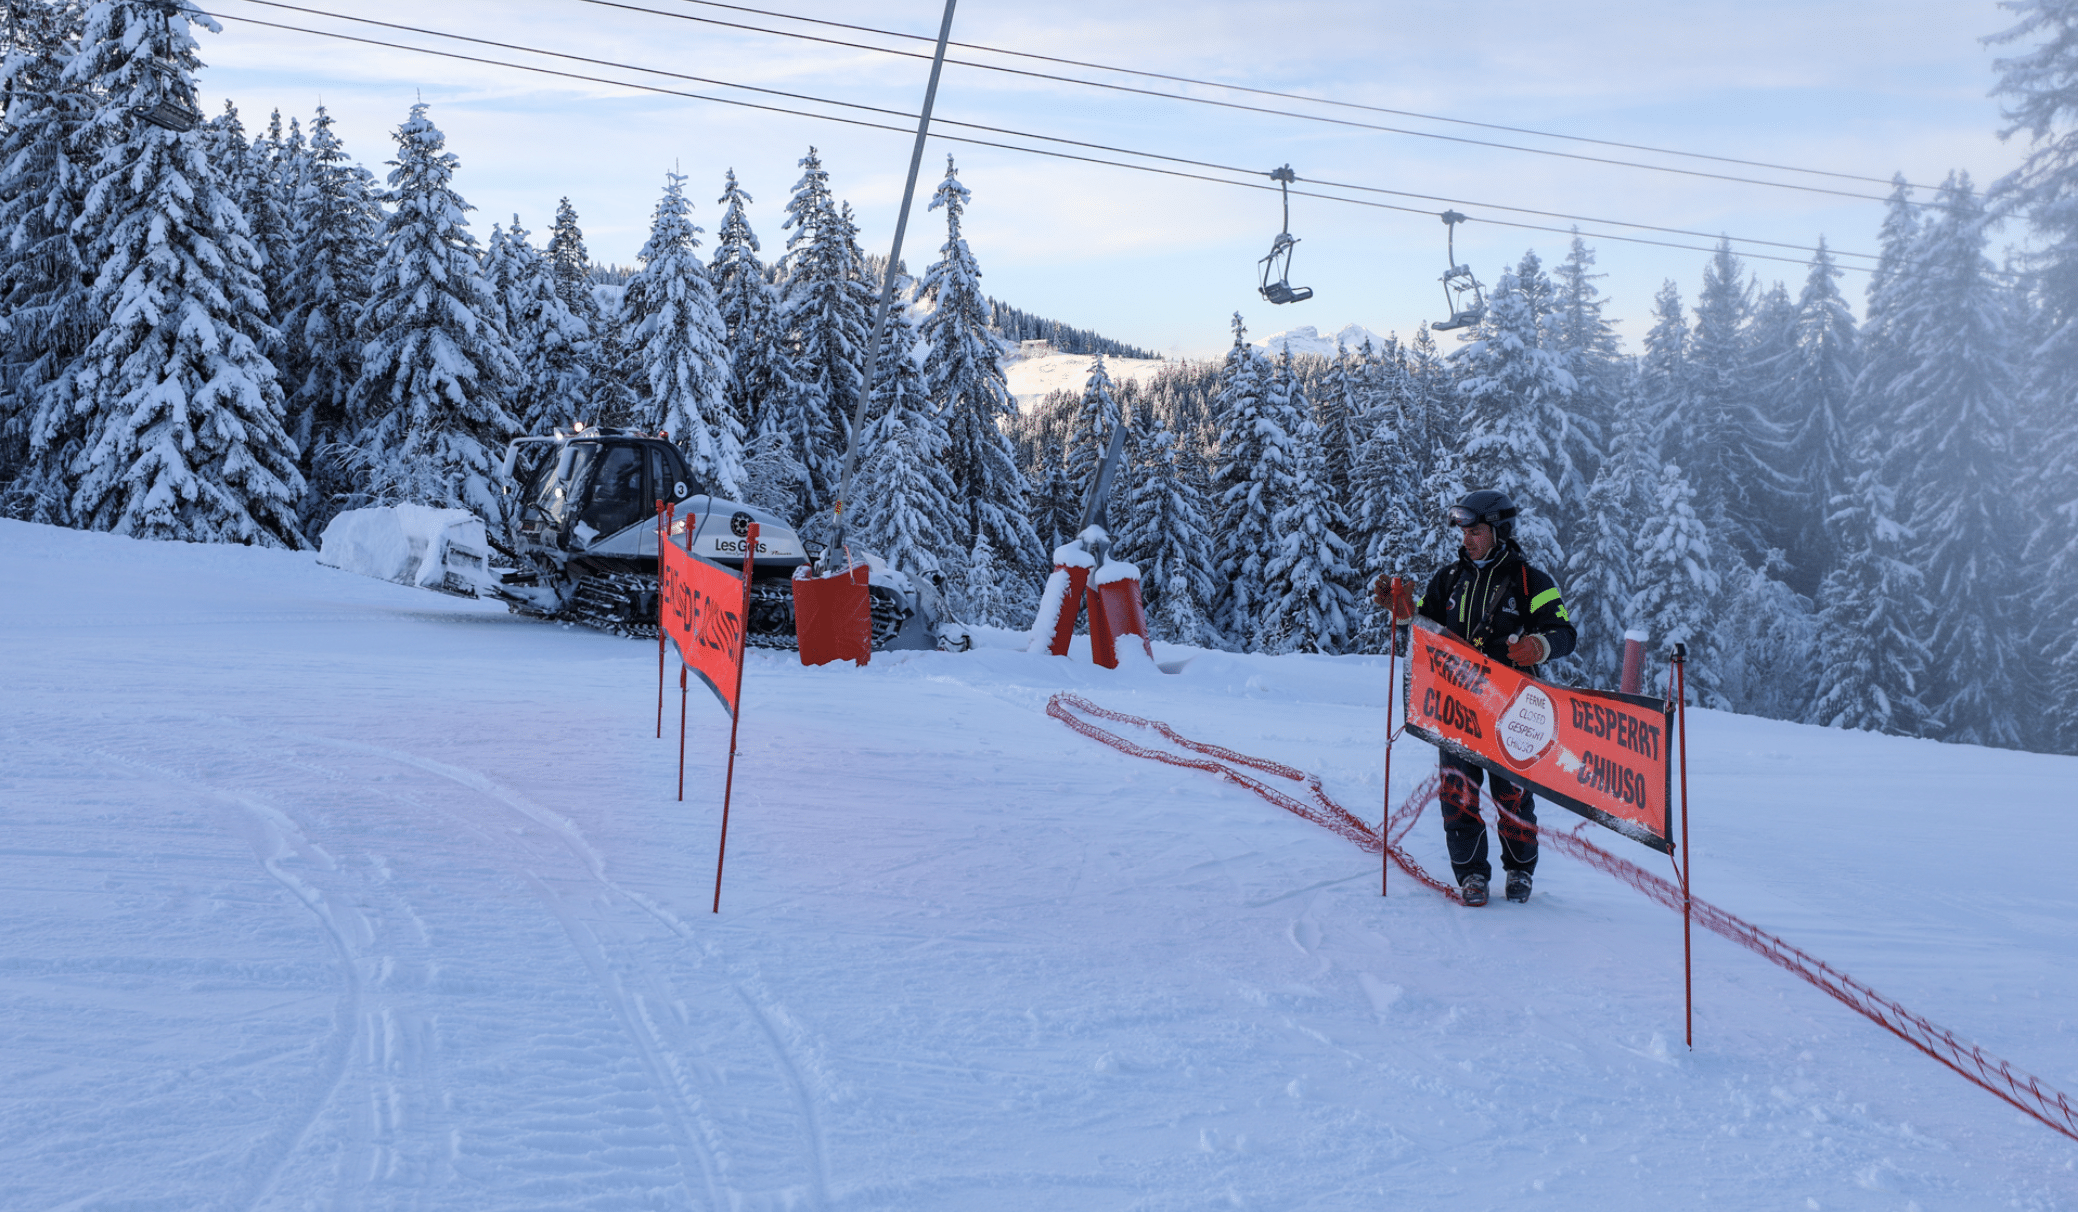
1688 995
750 554
666 511
1392 681
681 734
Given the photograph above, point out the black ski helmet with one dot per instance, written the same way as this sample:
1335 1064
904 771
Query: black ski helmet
1489 505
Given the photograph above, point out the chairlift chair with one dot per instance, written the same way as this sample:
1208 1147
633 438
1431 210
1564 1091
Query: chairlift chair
1457 283
169 107
1279 261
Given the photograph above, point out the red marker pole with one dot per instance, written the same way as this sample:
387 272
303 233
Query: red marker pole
1392 680
665 512
681 734
750 554
1688 996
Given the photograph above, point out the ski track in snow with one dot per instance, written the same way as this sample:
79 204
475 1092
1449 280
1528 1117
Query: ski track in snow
325 893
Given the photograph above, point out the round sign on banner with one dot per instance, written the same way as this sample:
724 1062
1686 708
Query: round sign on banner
1528 727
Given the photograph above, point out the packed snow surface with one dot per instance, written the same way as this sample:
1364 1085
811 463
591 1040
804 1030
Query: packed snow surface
327 892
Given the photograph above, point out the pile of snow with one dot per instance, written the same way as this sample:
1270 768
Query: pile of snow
1306 339
411 545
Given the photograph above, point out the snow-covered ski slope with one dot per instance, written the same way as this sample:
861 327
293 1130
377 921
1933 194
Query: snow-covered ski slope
325 892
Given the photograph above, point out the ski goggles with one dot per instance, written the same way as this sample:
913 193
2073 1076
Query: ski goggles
1462 518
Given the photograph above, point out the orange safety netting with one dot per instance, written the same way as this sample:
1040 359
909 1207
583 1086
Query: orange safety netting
2023 1090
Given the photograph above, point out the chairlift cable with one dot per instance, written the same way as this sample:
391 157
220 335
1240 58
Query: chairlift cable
1103 147
975 142
1537 151
1262 92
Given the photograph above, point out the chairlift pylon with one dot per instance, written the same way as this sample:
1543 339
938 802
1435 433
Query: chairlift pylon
1280 259
1457 283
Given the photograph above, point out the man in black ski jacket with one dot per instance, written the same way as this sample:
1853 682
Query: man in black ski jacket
1492 598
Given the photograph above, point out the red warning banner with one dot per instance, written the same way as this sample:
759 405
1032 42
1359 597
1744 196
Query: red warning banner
704 607
1601 754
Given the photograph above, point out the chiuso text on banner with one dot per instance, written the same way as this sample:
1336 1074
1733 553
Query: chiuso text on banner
703 611
1602 754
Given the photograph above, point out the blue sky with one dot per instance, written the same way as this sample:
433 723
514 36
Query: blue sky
1159 261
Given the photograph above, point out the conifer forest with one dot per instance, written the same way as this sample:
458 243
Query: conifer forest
1858 511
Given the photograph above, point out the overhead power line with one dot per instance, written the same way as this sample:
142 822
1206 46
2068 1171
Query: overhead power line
1287 96
1233 105
1014 133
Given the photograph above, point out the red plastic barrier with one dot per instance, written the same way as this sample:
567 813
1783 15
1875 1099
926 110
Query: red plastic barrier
833 617
2023 1090
1116 612
1071 607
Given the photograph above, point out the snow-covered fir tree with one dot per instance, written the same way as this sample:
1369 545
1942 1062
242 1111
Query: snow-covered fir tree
429 407
1952 445
1871 613
1162 529
1677 583
1722 440
1663 374
267 200
749 307
965 375
681 374
1385 490
603 359
337 239
572 263
1515 393
1579 332
49 145
1055 507
826 317
1097 416
2039 89
184 420
1766 642
902 499
1814 388
771 476
982 599
1600 584
1307 596
1252 484
1773 493
547 338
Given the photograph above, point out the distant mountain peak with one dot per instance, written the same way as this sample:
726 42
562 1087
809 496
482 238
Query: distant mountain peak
1307 339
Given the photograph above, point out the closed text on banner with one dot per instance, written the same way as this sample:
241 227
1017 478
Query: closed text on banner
703 613
1601 754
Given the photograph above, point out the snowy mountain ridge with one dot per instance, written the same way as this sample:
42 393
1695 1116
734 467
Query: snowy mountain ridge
1307 339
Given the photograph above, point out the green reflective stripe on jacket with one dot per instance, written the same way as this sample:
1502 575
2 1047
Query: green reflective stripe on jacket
1544 599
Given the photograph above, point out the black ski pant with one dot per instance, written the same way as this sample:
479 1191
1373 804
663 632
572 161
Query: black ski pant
1465 831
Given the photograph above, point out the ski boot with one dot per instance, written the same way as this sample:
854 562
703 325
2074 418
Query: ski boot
1472 889
1519 887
